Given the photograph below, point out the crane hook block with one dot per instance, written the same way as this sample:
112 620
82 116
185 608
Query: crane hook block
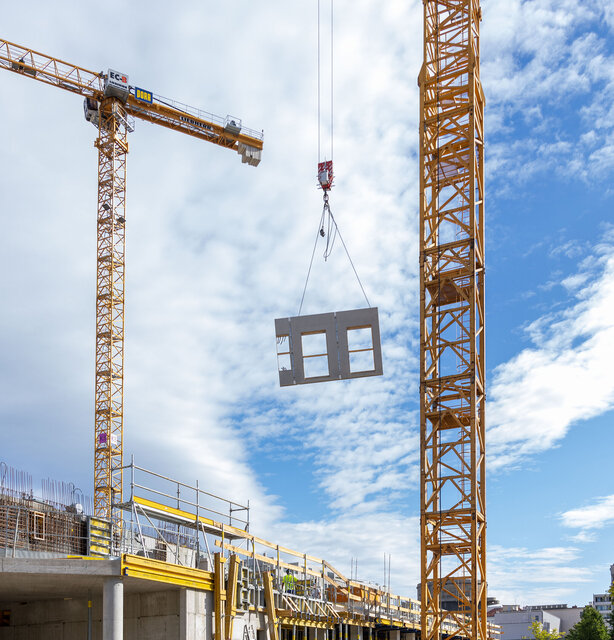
325 174
328 346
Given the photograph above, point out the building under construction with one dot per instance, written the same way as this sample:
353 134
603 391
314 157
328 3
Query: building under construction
156 558
182 565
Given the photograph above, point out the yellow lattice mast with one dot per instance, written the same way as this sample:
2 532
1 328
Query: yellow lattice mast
112 146
453 507
112 104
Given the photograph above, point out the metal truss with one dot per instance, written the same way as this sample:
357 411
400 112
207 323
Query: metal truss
453 508
109 402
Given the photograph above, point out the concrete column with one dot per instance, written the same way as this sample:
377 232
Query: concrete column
193 615
113 609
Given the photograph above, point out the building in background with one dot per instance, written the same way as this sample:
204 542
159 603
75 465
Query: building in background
602 601
568 616
516 621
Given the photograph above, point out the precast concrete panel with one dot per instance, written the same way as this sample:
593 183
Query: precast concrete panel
335 326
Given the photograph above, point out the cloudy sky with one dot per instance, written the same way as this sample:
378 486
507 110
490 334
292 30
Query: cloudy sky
217 250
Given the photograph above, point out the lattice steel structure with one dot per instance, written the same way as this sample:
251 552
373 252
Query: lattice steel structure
112 146
453 508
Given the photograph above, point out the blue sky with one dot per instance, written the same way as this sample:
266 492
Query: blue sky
217 250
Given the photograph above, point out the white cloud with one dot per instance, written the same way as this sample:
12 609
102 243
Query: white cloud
537 56
518 575
564 378
584 536
593 516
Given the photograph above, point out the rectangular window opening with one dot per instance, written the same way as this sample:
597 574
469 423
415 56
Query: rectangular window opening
37 525
315 354
360 348
284 362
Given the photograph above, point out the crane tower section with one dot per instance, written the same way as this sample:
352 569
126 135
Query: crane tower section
112 147
452 421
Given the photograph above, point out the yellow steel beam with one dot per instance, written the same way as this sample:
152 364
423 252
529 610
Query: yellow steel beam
165 572
161 510
265 559
286 619
173 511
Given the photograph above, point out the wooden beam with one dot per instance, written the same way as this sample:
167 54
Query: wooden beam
271 561
220 596
231 594
269 599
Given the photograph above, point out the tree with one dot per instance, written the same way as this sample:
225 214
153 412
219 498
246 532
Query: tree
590 627
541 634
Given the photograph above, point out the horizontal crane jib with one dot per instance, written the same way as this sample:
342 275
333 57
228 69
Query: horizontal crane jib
168 113
185 122
51 70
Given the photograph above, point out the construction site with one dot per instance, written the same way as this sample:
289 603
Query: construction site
154 557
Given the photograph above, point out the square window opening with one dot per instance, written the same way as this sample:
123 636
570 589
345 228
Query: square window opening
359 338
361 361
315 367
314 344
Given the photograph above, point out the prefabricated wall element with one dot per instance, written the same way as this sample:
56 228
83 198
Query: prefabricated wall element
328 346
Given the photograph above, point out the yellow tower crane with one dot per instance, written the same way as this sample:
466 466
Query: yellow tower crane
452 367
111 104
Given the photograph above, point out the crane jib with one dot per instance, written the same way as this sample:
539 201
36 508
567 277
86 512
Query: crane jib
196 123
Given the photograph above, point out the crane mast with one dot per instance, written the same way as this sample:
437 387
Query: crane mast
112 144
452 398
111 104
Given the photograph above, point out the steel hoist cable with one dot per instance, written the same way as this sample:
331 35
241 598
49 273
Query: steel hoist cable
328 222
327 227
319 61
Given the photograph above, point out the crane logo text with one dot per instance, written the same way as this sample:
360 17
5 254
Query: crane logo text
118 78
196 123
143 95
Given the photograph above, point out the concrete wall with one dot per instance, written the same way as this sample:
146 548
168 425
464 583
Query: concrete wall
166 615
247 625
48 619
